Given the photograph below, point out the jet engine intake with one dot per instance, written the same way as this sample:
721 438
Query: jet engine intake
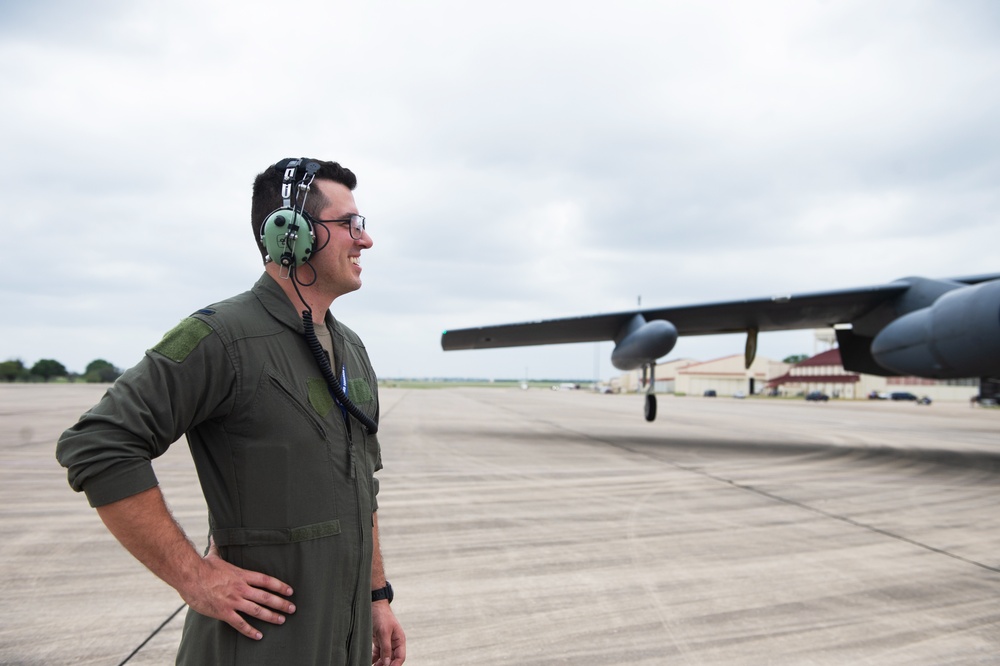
958 336
643 342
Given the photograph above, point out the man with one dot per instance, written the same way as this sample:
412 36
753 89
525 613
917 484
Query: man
282 432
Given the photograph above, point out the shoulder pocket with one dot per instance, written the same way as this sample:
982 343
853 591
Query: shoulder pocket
182 339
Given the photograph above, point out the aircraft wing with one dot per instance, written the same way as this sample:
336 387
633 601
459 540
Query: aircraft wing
776 313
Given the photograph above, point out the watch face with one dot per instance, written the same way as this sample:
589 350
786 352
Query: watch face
388 591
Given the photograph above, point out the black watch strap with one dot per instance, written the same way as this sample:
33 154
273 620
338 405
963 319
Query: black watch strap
383 593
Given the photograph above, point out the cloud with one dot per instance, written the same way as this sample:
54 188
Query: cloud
515 161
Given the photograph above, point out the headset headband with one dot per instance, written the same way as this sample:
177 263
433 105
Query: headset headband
303 185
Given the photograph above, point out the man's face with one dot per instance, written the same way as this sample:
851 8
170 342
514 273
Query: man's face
338 264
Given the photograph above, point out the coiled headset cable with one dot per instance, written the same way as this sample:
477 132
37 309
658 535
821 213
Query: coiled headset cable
331 381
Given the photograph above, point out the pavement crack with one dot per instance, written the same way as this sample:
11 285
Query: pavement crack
150 637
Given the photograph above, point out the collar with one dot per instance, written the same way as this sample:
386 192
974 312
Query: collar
280 307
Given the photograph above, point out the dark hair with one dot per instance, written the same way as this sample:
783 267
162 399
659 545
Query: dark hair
267 191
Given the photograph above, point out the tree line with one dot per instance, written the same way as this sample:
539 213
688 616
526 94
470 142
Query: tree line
47 369
101 371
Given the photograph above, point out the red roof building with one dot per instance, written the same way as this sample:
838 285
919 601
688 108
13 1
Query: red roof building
823 372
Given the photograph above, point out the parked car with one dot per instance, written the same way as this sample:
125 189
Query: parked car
926 400
740 395
817 396
902 395
710 393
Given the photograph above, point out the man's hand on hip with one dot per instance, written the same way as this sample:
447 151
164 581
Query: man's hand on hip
222 590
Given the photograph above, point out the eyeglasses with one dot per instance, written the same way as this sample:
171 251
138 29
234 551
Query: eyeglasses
354 223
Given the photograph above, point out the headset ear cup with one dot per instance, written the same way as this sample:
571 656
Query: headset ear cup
288 237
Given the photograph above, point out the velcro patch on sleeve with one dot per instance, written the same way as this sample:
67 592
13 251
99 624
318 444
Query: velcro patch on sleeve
182 339
358 391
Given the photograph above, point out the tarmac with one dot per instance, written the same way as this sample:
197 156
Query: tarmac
549 527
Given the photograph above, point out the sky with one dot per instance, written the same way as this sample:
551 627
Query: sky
516 161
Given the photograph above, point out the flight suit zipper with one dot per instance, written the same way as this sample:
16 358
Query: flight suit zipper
361 536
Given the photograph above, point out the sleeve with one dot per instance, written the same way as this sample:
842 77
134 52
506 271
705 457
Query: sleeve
184 380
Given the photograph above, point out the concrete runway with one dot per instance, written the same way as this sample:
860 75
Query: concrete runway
541 527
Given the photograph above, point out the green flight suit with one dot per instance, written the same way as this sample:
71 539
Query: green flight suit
289 480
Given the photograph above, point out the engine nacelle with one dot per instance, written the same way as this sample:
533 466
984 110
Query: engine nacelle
644 343
958 336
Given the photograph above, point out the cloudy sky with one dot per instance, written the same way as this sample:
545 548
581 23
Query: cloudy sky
516 161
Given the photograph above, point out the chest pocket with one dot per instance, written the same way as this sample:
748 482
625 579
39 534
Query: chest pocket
286 466
284 394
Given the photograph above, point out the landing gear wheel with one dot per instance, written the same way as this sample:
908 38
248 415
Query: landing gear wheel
650 407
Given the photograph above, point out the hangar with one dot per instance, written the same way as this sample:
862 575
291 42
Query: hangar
822 372
725 376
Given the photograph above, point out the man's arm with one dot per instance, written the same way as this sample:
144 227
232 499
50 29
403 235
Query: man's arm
209 585
388 640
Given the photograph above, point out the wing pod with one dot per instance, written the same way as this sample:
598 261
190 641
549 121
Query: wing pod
958 336
641 342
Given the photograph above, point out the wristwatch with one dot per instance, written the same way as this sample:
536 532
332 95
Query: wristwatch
383 593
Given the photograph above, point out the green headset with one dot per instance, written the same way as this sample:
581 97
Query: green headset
288 233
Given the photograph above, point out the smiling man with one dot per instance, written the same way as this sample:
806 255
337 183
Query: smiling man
279 404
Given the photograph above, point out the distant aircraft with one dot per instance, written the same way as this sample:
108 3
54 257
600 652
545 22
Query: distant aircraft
942 329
